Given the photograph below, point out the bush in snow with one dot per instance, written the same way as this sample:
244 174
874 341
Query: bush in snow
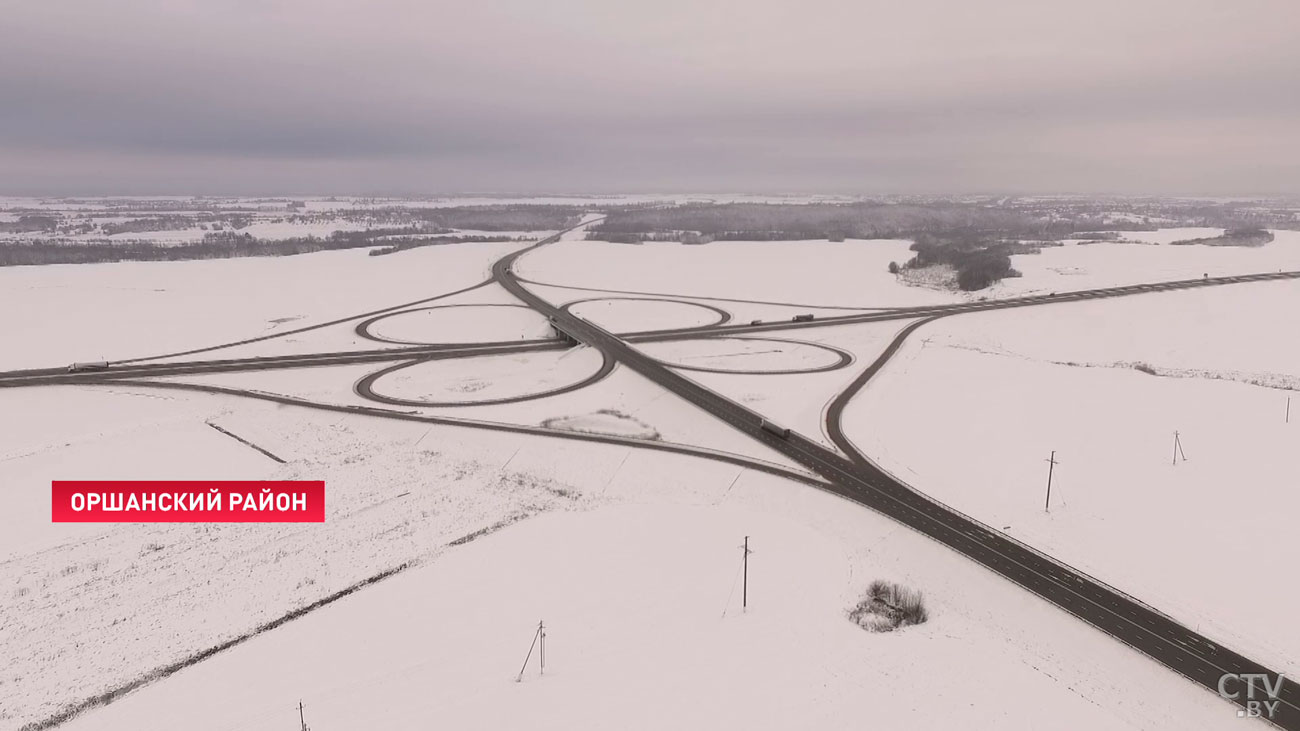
888 606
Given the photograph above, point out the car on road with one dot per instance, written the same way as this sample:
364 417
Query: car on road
802 318
774 428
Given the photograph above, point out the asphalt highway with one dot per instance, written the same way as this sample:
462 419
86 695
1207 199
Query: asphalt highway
1113 612
854 476
146 367
365 387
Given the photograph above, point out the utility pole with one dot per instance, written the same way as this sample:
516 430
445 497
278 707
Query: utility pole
1051 465
744 591
1288 409
1178 449
301 720
540 634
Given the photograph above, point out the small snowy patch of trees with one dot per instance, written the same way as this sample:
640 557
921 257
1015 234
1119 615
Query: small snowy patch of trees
979 260
888 606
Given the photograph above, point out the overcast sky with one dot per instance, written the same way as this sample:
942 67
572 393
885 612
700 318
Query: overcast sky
406 96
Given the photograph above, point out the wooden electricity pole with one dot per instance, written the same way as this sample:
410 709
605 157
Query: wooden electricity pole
744 591
1051 465
302 721
1178 449
539 635
1288 409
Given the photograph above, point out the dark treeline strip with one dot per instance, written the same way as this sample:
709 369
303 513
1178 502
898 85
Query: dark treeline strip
979 260
1232 237
415 243
778 222
478 218
977 241
217 245
29 224
173 222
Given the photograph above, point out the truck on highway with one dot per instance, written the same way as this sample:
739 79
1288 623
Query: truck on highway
801 318
774 428
97 365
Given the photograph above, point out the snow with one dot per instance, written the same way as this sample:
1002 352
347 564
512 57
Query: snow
88 610
443 326
799 401
632 317
630 555
623 391
281 229
617 314
1202 540
855 273
470 380
605 421
73 433
463 323
742 354
633 598
134 309
1169 235
1074 267
852 273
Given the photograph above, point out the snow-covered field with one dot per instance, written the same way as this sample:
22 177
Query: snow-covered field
795 400
88 608
854 273
469 380
133 309
1071 267
629 555
463 323
740 354
643 618
623 400
848 274
104 433
972 406
632 315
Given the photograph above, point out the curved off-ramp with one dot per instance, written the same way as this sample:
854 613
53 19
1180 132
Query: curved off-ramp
365 388
843 359
363 328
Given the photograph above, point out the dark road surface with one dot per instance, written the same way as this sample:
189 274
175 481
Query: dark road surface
1104 607
854 477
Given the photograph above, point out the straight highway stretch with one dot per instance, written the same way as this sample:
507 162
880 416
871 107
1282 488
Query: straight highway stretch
137 368
1102 606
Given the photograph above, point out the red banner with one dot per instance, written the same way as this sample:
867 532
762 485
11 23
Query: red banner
188 501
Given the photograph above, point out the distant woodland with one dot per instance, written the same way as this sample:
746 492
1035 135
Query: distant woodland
976 240
218 245
1232 237
395 229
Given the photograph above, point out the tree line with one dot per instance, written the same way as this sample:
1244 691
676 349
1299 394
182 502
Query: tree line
215 245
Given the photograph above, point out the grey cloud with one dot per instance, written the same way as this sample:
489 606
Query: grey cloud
398 96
